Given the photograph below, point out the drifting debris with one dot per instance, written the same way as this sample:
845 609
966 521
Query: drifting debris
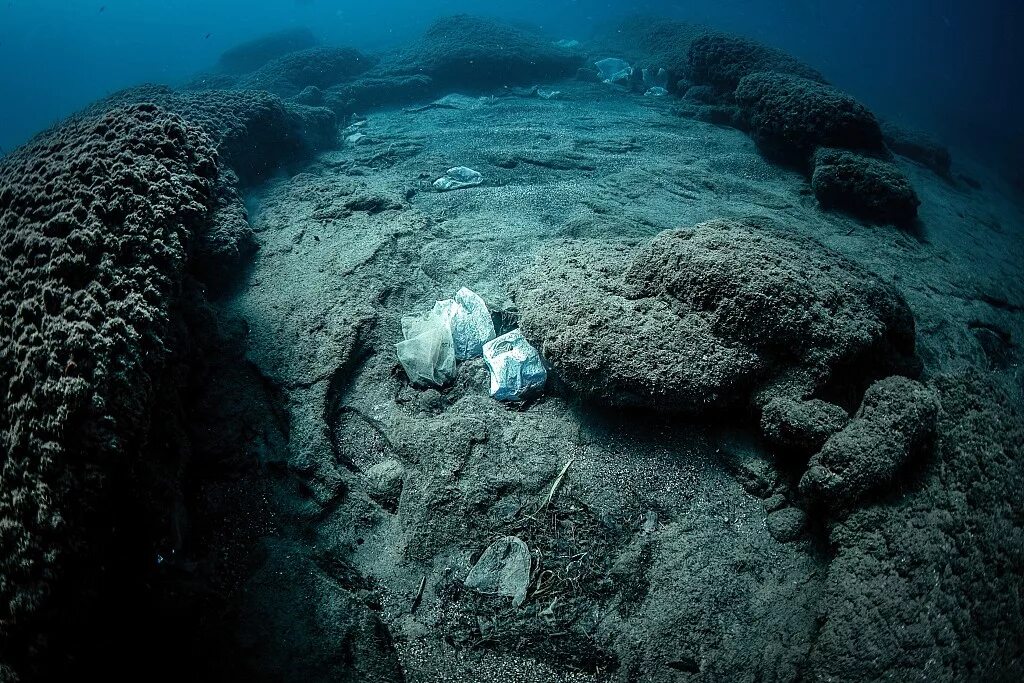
428 353
470 322
517 370
458 178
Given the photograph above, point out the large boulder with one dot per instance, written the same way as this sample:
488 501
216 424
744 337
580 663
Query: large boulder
319 67
790 116
717 315
869 188
97 219
253 54
895 422
255 132
462 51
722 60
929 585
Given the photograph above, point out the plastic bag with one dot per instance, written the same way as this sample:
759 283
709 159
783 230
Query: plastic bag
517 370
428 352
470 322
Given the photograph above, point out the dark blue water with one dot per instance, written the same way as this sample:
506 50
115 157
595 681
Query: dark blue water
952 67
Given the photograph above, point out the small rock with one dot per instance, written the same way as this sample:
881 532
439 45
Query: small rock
458 178
787 524
386 480
503 569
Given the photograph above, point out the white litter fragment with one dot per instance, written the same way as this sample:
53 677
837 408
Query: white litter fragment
656 91
427 353
470 322
458 178
613 69
517 370
503 569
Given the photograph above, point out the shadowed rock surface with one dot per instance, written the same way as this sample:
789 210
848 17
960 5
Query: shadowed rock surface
706 317
97 219
723 60
253 54
927 583
790 116
872 189
319 67
919 147
895 422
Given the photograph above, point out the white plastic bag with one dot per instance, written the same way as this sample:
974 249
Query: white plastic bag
469 320
428 353
517 370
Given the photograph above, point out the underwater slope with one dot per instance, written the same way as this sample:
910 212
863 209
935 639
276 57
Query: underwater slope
829 461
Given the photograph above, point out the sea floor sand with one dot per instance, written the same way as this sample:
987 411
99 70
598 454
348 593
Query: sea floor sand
661 555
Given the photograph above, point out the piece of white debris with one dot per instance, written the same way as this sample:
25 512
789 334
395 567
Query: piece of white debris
458 178
656 91
427 353
355 138
613 69
503 569
470 322
517 370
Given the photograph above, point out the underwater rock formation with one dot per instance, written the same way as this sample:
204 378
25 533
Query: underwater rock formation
723 60
255 132
321 67
97 219
710 316
462 51
919 147
790 116
895 422
872 189
928 585
253 54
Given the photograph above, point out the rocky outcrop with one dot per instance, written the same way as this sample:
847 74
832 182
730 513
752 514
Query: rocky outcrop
717 315
872 189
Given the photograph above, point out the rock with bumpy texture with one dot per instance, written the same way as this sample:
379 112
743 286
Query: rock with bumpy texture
709 317
927 585
801 426
867 188
789 117
477 53
895 422
321 67
96 221
253 54
255 132
918 146
722 60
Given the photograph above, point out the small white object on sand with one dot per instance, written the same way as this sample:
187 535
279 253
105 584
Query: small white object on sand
428 353
458 178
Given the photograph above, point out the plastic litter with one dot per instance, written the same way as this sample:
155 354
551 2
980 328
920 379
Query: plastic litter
427 353
469 321
517 370
656 91
655 79
503 569
458 178
613 69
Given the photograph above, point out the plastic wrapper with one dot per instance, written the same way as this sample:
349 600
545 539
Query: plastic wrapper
427 353
517 371
470 322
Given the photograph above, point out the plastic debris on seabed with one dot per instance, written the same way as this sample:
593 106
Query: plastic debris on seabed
470 322
613 69
503 569
458 178
427 353
517 371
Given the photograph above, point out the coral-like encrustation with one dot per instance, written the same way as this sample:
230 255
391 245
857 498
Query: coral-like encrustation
722 60
710 316
322 67
873 189
96 220
790 116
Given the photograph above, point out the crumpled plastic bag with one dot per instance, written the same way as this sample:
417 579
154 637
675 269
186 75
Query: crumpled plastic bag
458 178
470 322
517 371
503 569
428 352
